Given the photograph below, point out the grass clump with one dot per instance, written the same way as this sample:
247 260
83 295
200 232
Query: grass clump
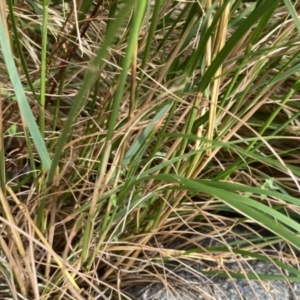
135 131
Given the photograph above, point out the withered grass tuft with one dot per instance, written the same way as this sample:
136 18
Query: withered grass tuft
142 136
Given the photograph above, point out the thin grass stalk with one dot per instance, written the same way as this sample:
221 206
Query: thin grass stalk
56 118
283 102
132 42
204 162
230 119
21 250
198 56
266 124
12 271
187 169
242 122
252 19
208 46
86 151
191 65
255 36
2 151
276 111
86 85
19 47
43 70
107 147
161 139
31 157
252 145
15 234
171 58
132 253
215 83
142 143
41 221
61 265
194 113
51 236
92 108
220 42
166 34
132 103
150 35
132 108
112 14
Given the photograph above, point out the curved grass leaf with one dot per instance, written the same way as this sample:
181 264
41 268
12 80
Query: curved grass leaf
260 213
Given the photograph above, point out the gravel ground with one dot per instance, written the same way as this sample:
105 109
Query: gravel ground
220 288
186 281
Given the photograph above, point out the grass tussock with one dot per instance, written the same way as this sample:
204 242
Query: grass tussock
139 138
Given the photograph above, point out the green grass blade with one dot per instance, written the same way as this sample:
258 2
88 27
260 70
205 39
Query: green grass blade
87 84
132 40
24 107
141 140
234 39
293 13
245 205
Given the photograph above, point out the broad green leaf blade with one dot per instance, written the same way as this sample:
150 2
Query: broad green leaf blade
24 107
259 212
